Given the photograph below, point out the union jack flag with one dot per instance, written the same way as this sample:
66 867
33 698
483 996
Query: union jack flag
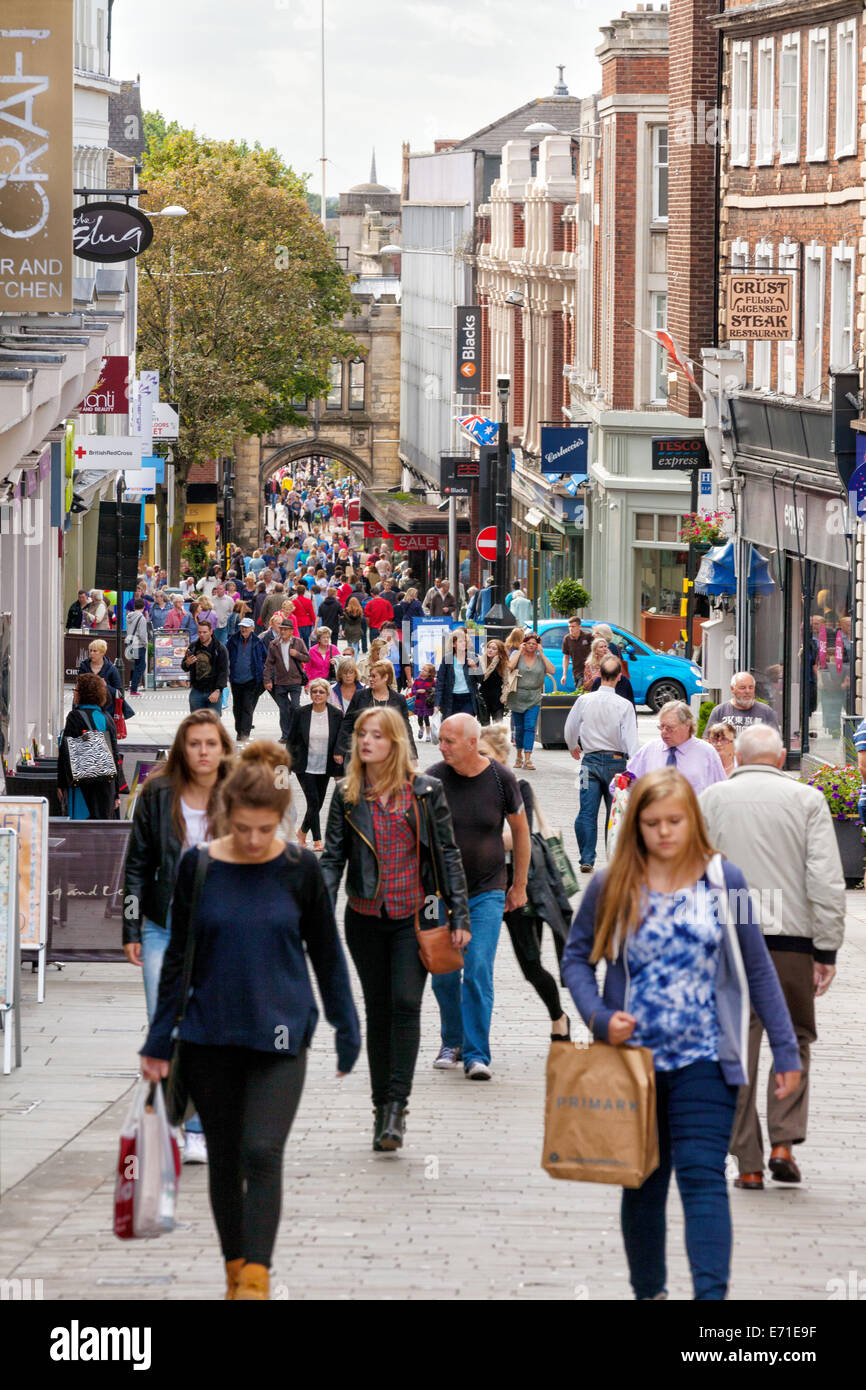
479 429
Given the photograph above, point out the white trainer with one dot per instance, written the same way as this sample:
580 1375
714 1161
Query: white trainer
195 1147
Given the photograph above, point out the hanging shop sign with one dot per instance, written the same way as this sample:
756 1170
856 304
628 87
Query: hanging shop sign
760 308
36 68
678 454
467 357
418 542
110 232
564 450
105 452
110 395
458 475
166 420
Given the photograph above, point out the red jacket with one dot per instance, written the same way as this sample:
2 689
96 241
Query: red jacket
378 611
304 612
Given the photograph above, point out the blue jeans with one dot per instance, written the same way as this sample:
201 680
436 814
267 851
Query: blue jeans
523 724
139 666
198 700
466 1004
695 1116
154 943
221 634
596 772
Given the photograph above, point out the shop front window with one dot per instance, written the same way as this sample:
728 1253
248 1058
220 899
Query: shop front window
660 575
767 641
829 660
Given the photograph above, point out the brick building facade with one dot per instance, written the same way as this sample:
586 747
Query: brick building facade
790 190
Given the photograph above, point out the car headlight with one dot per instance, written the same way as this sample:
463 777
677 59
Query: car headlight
696 671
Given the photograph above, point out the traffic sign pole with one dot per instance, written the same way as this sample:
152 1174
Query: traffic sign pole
500 620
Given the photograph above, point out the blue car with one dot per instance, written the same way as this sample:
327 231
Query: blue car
655 677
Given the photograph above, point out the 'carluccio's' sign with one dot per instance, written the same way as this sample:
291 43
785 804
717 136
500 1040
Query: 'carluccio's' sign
110 232
36 64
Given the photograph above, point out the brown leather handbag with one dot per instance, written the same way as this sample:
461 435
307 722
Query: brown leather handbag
438 953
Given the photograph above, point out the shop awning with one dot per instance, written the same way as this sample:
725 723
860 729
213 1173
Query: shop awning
717 576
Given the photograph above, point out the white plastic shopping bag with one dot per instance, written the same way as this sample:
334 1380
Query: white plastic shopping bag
435 725
621 793
148 1168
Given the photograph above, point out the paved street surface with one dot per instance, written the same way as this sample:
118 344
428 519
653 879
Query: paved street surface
463 1211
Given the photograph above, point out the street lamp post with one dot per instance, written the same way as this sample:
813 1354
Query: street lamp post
174 210
500 620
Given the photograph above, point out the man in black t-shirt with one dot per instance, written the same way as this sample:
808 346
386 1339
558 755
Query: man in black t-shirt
575 648
481 796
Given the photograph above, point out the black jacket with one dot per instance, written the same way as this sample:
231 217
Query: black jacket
74 618
99 796
444 698
329 615
362 700
350 840
152 858
110 675
219 675
299 738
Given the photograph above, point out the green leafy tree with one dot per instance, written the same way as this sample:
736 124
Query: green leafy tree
240 302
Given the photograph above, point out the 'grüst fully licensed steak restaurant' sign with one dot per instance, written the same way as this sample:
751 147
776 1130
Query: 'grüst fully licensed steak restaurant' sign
36 64
760 308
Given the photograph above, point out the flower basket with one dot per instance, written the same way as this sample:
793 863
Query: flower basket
840 787
704 529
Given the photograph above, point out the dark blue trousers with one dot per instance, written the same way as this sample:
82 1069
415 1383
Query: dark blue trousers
695 1116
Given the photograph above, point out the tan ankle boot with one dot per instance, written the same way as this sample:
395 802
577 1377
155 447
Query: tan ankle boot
233 1274
254 1283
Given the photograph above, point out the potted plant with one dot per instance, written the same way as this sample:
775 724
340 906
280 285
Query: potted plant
703 530
567 598
840 787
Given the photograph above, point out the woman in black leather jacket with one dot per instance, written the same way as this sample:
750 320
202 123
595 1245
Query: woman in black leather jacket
173 813
393 830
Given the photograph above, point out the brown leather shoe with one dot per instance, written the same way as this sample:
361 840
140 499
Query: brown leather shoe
750 1182
782 1164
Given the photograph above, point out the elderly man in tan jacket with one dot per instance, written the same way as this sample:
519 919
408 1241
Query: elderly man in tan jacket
780 833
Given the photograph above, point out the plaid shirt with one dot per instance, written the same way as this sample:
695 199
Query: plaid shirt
400 890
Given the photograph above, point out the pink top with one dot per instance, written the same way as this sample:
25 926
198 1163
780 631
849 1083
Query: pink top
319 665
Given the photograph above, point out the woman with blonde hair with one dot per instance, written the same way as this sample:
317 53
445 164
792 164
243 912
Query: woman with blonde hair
381 692
206 610
722 736
514 641
496 680
592 669
684 957
346 685
391 828
246 1006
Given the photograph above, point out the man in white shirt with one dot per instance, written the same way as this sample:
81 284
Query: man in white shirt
520 606
604 725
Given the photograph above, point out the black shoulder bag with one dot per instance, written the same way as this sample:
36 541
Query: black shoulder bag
177 1102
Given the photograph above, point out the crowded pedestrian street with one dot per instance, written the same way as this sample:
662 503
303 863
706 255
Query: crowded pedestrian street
432 682
465 1207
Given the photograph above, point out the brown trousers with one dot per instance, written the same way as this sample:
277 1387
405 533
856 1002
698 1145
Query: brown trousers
786 1119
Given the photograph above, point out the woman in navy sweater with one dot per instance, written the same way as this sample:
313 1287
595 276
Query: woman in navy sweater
685 957
251 1013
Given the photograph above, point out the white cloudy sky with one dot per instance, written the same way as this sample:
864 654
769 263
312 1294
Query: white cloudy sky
395 69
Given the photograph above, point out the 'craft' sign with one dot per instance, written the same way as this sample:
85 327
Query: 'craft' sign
36 64
759 308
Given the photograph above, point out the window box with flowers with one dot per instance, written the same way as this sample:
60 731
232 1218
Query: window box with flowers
703 530
840 787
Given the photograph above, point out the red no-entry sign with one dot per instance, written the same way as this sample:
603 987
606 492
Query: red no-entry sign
485 543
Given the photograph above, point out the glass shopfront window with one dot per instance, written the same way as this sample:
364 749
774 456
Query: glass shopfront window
800 652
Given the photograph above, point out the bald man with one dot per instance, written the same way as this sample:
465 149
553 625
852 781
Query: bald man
779 831
481 796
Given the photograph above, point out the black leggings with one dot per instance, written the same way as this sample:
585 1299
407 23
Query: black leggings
525 933
386 958
315 785
246 1101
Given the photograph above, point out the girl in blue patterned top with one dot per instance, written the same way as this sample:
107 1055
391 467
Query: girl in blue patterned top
685 959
